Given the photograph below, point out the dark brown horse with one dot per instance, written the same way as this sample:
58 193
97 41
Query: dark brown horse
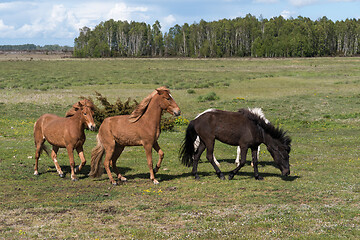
242 128
64 132
142 127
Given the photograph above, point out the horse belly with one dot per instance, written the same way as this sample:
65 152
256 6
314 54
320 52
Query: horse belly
129 139
230 140
55 136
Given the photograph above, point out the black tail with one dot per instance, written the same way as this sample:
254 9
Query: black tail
187 149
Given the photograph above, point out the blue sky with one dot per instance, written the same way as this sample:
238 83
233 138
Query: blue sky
43 22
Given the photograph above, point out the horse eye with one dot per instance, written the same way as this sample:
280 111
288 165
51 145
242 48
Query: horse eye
168 98
84 114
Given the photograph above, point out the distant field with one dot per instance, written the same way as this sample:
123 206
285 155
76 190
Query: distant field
317 100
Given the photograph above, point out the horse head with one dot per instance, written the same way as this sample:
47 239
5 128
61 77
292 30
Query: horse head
167 102
86 107
280 153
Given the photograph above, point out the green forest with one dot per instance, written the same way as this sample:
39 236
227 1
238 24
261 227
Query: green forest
33 47
240 37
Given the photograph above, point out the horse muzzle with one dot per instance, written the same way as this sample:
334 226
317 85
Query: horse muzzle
177 113
285 172
92 127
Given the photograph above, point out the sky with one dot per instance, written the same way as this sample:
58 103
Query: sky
49 22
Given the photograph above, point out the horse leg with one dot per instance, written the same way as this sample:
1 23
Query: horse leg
54 158
255 155
80 151
196 158
215 161
148 148
70 151
37 154
242 163
109 145
161 156
238 153
117 152
209 156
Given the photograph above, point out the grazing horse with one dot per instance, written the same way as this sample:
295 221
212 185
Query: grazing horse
242 128
64 132
257 111
142 127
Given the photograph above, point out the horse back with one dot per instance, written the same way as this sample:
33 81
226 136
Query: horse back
121 130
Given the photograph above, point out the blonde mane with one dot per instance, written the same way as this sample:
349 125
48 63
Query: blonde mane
142 107
83 103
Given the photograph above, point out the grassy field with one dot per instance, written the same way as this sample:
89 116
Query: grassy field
317 100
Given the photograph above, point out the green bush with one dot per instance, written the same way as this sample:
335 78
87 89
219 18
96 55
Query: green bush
110 110
169 123
211 96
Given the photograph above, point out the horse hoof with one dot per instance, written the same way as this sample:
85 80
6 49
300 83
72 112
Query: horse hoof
259 178
61 175
156 169
231 176
221 176
197 177
155 182
76 170
114 183
123 179
36 173
75 179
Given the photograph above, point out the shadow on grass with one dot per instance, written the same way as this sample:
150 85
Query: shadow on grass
168 177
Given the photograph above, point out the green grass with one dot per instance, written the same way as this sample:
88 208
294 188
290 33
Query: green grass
317 100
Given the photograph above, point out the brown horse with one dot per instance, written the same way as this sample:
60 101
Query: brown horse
242 128
66 133
142 127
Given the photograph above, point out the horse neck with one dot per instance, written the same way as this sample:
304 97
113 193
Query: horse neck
269 141
78 120
152 116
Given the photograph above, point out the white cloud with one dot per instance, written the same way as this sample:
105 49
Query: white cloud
123 12
168 21
61 20
285 14
5 30
4 27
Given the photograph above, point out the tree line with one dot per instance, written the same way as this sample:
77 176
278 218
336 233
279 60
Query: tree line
240 37
33 47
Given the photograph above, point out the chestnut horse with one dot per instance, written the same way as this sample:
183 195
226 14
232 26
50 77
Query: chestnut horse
142 127
242 128
64 132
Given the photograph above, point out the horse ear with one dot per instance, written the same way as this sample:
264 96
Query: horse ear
77 106
160 92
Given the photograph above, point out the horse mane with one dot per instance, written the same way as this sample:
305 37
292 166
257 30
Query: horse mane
143 105
79 105
274 132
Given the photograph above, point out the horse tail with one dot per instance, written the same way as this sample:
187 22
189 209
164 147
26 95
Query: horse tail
39 137
44 147
187 149
96 159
